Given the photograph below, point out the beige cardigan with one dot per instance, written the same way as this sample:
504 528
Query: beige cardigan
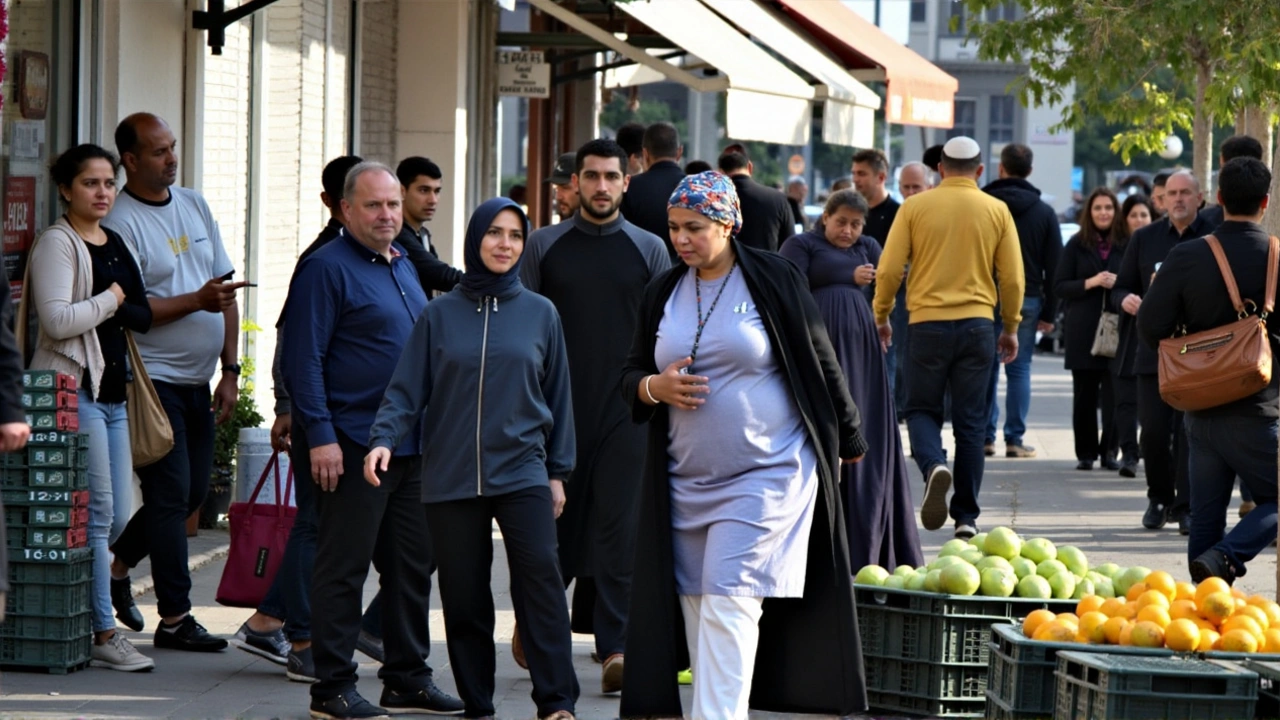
60 279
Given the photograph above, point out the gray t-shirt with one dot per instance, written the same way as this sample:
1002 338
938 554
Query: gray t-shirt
179 249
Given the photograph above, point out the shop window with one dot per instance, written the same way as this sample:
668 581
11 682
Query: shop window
966 119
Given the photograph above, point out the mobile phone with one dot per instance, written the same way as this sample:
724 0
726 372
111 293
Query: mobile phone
228 276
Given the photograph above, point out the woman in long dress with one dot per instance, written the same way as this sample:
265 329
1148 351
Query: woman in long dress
840 262
740 542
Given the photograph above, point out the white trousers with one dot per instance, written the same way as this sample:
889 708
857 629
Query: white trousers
722 632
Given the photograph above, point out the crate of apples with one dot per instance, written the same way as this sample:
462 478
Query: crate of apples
1159 612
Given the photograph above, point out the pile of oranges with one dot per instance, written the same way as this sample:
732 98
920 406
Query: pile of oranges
1161 613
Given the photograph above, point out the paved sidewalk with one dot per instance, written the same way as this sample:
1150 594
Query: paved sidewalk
1098 511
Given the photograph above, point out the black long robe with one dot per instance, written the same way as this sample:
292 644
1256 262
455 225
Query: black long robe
809 657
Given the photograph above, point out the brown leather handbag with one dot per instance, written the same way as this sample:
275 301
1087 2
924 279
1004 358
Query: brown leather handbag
1226 363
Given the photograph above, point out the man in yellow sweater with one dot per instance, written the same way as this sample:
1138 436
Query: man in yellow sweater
952 237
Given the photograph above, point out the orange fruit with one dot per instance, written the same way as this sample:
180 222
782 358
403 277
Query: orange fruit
1135 591
1185 590
1069 618
1163 583
1126 633
1209 639
1128 611
1088 604
1256 613
1155 614
1270 641
1209 586
1183 609
1273 613
1153 597
1112 627
1203 624
1259 601
1242 622
1110 606
1238 593
1216 607
1239 641
1056 631
1034 620
1147 634
1091 629
1182 635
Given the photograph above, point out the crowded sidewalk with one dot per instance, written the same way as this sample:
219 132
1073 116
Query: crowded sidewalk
1046 496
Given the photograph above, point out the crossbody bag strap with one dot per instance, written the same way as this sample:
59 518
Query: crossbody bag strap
1225 269
1273 260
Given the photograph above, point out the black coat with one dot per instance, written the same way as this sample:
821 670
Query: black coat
809 658
1039 235
1122 363
1082 308
766 215
645 202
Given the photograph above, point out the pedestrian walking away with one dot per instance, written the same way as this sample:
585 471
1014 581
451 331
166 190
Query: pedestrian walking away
766 214
1239 437
743 564
492 350
839 264
952 236
645 202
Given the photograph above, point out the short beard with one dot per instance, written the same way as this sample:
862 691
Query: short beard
586 207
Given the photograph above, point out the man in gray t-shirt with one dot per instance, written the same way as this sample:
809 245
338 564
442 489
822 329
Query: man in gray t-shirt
175 239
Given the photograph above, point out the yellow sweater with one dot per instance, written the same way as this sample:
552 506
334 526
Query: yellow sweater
953 237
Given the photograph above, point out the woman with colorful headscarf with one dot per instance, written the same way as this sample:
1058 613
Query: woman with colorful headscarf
742 560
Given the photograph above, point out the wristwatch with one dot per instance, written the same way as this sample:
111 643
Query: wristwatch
234 369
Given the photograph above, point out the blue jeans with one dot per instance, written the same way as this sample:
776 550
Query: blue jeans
1017 399
895 360
953 355
1219 449
110 493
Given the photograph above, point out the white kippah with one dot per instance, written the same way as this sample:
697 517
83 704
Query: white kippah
961 148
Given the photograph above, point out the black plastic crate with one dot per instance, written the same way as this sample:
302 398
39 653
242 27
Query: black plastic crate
1268 686
53 656
50 599
34 627
931 680
1097 686
928 707
76 568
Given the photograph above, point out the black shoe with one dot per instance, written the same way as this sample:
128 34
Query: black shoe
347 705
430 700
1084 465
1109 463
122 601
370 645
1212 563
1155 517
1129 469
301 667
1184 522
187 635
270 645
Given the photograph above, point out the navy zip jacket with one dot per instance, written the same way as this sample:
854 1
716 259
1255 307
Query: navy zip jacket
349 315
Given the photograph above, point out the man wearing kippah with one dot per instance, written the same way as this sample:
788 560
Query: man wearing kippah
952 236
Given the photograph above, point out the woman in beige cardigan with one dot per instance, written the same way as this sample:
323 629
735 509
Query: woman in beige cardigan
88 291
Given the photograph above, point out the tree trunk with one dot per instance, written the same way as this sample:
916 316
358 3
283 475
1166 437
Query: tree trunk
1202 131
1271 221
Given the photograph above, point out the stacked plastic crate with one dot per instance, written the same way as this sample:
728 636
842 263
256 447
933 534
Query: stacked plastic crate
46 504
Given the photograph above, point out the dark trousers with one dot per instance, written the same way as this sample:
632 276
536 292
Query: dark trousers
172 488
290 595
1125 391
1089 390
1164 447
1219 449
956 356
542 612
359 523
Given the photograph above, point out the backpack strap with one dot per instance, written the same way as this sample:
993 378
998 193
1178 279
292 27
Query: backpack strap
1228 277
1273 269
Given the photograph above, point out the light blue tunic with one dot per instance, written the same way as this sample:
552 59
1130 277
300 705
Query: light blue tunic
744 475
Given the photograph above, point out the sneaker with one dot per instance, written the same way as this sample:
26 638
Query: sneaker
1247 507
611 676
1212 563
1129 469
1156 516
370 645
187 635
270 645
1109 463
429 700
1018 450
933 511
118 653
989 449
122 600
301 667
966 531
347 705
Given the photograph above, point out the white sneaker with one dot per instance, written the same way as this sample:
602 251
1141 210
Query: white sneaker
120 654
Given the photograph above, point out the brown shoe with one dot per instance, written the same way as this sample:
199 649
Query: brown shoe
1019 451
1247 507
517 650
611 677
989 449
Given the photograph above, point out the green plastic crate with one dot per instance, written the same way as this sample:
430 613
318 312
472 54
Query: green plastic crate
928 707
50 599
13 459
942 681
13 477
46 516
53 656
76 568
40 379
45 555
54 457
45 537
1268 686
1101 686
54 496
38 477
32 627
58 438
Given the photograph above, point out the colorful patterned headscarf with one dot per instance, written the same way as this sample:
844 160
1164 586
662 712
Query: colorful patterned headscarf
710 194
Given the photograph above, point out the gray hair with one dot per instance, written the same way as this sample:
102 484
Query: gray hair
847 198
361 168
1195 181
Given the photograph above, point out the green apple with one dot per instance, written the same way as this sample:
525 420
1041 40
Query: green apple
993 561
933 581
916 581
952 547
1063 585
895 582
999 582
1074 558
944 561
1104 589
1049 568
1096 576
1129 577
1023 567
1003 542
1034 586
960 579
1038 550
1083 587
904 571
978 540
972 555
1108 569
871 575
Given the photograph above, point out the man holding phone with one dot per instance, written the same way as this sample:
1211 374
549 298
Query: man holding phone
172 233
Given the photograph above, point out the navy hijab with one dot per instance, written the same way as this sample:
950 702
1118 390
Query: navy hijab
479 281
